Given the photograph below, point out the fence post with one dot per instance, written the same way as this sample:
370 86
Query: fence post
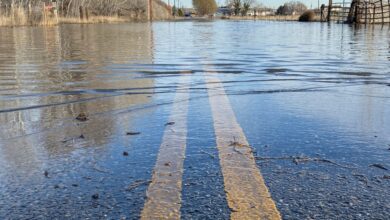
29 11
81 13
86 14
44 14
366 13
383 15
150 10
330 10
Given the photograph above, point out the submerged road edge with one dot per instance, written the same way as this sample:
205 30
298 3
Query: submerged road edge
164 192
246 193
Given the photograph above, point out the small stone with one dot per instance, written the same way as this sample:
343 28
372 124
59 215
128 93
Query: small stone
125 153
82 136
167 164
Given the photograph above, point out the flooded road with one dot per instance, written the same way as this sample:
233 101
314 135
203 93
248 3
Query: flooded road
195 120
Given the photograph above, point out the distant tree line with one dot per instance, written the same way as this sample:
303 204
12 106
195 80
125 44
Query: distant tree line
290 8
240 7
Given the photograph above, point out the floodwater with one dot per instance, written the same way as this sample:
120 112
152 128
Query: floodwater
314 91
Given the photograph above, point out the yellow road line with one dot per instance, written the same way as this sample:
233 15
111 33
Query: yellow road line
247 195
164 192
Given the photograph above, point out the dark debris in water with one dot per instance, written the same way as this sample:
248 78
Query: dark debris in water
380 166
276 70
170 123
46 173
125 153
95 196
82 117
133 133
304 159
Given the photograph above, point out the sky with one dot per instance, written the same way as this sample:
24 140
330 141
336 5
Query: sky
270 3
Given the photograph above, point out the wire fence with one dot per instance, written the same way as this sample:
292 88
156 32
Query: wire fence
360 11
373 12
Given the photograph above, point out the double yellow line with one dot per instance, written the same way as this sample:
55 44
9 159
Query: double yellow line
164 192
246 193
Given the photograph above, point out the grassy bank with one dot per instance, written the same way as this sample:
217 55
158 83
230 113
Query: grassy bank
265 18
14 22
39 12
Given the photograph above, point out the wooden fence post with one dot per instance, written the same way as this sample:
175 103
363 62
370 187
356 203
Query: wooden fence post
150 10
81 13
86 14
366 13
330 10
383 15
44 13
29 11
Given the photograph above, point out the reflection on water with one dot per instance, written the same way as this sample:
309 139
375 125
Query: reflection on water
50 75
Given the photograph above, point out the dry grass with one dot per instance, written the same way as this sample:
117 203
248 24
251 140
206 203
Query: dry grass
17 17
35 12
93 20
52 21
273 18
266 18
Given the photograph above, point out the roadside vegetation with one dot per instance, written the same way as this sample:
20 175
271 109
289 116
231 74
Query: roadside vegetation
241 7
307 16
43 12
253 9
291 8
205 7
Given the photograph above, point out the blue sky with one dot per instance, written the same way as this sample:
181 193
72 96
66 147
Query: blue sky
270 3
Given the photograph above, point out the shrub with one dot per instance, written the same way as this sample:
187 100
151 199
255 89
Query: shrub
205 7
307 16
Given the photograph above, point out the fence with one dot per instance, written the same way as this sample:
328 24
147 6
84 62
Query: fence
358 11
372 12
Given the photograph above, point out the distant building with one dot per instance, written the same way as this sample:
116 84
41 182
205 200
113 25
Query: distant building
261 12
224 11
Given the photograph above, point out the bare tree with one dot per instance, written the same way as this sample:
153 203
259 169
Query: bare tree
236 5
246 6
293 7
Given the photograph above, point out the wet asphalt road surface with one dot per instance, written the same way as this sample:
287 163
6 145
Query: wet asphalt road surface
312 100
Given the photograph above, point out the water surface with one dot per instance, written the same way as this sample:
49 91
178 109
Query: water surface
318 90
